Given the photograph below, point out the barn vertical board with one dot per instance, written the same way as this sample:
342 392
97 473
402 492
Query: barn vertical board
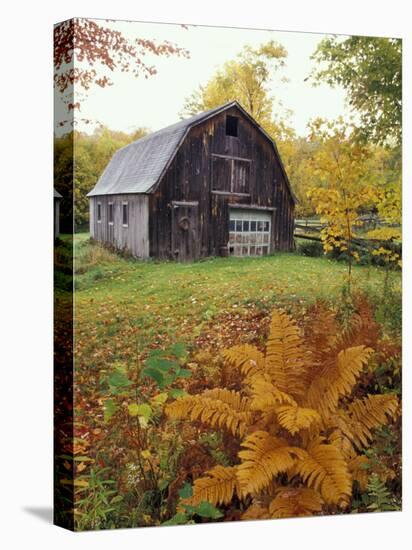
185 231
213 360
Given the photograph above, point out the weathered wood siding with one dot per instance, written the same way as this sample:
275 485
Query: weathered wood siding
135 237
197 174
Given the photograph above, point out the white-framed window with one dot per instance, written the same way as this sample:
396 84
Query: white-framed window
110 213
125 214
249 233
99 212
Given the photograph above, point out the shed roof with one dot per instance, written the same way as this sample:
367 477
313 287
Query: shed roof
57 194
138 167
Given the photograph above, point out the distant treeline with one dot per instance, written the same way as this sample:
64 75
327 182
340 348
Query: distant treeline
79 160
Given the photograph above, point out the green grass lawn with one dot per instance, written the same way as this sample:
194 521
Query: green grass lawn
121 303
126 308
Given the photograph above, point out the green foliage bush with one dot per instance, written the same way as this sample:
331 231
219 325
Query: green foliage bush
312 249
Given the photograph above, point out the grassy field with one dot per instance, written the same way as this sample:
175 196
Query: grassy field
127 310
166 301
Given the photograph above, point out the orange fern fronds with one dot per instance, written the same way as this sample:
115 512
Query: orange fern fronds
211 411
324 469
369 413
295 502
246 358
284 355
266 396
337 380
262 459
217 486
295 420
358 469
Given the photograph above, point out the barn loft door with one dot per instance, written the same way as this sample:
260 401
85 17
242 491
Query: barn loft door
185 230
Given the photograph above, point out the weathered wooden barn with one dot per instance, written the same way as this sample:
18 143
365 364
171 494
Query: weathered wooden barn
211 185
56 212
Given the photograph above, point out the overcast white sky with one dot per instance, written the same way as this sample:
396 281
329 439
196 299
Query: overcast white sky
156 102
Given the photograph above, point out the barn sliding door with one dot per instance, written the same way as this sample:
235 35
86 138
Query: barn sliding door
185 231
249 232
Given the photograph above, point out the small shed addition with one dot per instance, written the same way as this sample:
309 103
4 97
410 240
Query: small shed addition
210 185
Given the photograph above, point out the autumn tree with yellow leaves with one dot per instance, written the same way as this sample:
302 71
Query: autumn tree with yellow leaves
345 184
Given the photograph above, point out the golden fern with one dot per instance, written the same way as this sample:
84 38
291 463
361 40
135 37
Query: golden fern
324 341
324 469
337 380
262 459
342 439
358 469
218 486
284 357
354 426
295 502
232 398
256 510
266 396
369 413
293 422
321 334
294 418
246 358
212 411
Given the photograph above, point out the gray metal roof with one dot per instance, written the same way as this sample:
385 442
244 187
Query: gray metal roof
57 194
138 167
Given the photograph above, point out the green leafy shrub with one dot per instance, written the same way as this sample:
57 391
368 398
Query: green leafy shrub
312 249
188 513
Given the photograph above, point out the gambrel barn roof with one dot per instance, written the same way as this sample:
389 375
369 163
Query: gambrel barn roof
138 167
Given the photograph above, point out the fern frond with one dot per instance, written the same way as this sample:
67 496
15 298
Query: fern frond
321 332
256 511
218 486
266 396
233 398
343 441
381 497
358 467
284 361
363 328
369 413
248 359
324 469
210 412
337 380
325 339
263 458
295 502
294 418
